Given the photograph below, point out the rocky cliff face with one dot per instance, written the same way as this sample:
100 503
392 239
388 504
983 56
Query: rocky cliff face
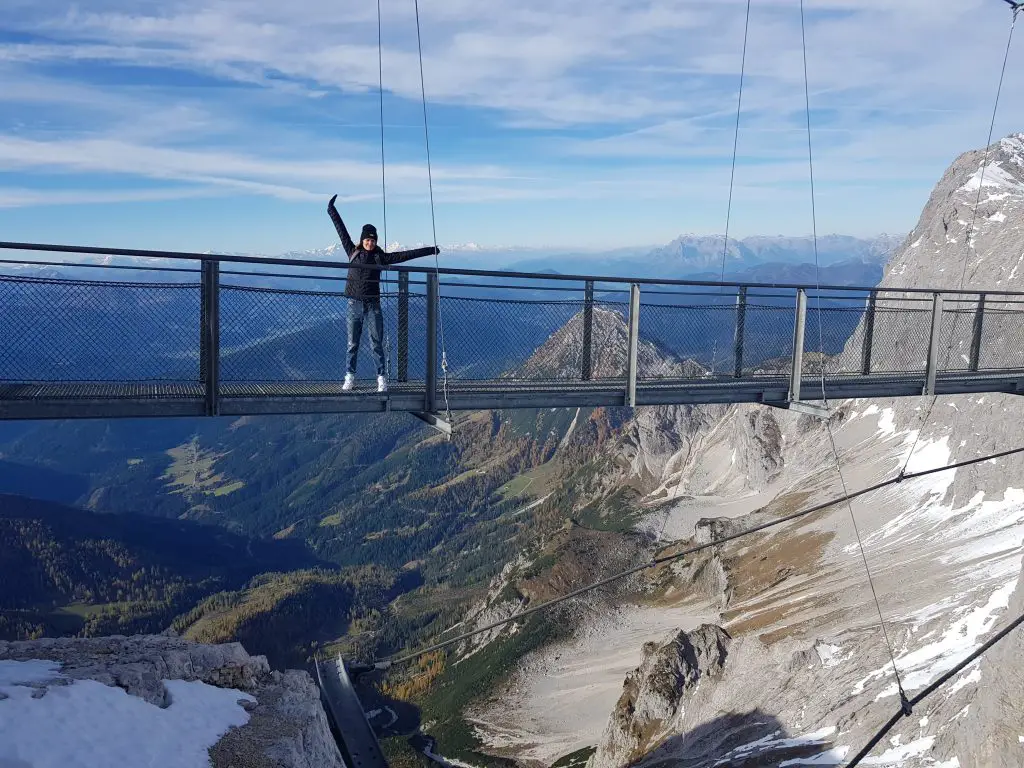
656 692
286 725
808 676
937 250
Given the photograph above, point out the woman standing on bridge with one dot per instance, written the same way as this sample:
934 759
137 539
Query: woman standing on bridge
363 292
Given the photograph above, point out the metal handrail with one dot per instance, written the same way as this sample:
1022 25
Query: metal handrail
229 258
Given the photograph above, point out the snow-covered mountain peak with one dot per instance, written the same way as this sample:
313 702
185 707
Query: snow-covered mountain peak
1000 169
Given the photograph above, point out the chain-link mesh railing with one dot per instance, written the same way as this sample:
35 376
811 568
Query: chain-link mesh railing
902 331
279 335
75 330
956 334
517 339
1000 344
768 336
829 336
54 330
687 340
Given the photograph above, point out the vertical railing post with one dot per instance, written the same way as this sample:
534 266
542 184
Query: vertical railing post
209 340
796 374
741 324
634 343
979 322
403 326
588 329
933 345
431 373
869 333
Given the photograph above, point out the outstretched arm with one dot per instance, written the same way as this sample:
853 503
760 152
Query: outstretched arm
346 240
416 253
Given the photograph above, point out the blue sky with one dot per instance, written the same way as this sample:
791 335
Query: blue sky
227 124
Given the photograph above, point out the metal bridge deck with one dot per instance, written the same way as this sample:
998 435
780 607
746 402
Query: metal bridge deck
162 399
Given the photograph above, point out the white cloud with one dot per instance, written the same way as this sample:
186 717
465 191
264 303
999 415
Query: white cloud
585 99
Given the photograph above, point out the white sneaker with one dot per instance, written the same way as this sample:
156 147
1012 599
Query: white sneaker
350 381
382 384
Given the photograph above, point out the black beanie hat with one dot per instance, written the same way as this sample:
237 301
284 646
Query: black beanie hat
368 231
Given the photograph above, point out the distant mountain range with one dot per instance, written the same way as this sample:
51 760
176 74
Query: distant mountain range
691 255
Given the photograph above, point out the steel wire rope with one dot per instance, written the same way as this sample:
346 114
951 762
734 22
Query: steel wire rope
433 219
388 662
968 237
732 175
981 651
383 178
821 364
907 706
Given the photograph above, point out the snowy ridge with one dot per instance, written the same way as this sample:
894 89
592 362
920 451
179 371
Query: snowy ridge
101 726
155 700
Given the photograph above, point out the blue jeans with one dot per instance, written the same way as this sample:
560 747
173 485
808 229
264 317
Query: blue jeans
358 309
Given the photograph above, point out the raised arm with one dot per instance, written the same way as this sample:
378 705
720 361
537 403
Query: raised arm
416 253
346 240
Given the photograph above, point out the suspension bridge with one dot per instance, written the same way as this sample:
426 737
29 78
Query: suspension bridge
161 334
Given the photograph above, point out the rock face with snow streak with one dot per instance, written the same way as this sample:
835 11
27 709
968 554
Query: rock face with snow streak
287 725
807 655
935 251
993 725
945 554
970 235
654 692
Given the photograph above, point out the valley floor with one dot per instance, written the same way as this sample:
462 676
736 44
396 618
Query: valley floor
559 700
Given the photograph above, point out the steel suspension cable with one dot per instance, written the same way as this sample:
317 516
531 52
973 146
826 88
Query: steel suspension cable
969 235
433 218
383 181
906 708
821 365
903 712
732 173
380 88
388 662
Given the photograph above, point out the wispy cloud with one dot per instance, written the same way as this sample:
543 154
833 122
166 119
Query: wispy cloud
574 101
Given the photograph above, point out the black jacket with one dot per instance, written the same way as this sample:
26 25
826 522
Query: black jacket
365 283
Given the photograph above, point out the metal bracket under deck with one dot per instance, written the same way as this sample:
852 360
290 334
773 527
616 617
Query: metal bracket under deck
810 409
434 420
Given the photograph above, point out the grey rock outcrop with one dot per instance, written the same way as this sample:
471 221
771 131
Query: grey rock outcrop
655 693
287 726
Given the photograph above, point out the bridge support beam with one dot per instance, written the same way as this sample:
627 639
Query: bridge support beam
588 329
209 340
433 294
434 420
634 344
403 326
809 409
353 733
979 322
796 374
933 345
741 328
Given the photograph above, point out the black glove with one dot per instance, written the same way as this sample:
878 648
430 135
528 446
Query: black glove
437 251
331 204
